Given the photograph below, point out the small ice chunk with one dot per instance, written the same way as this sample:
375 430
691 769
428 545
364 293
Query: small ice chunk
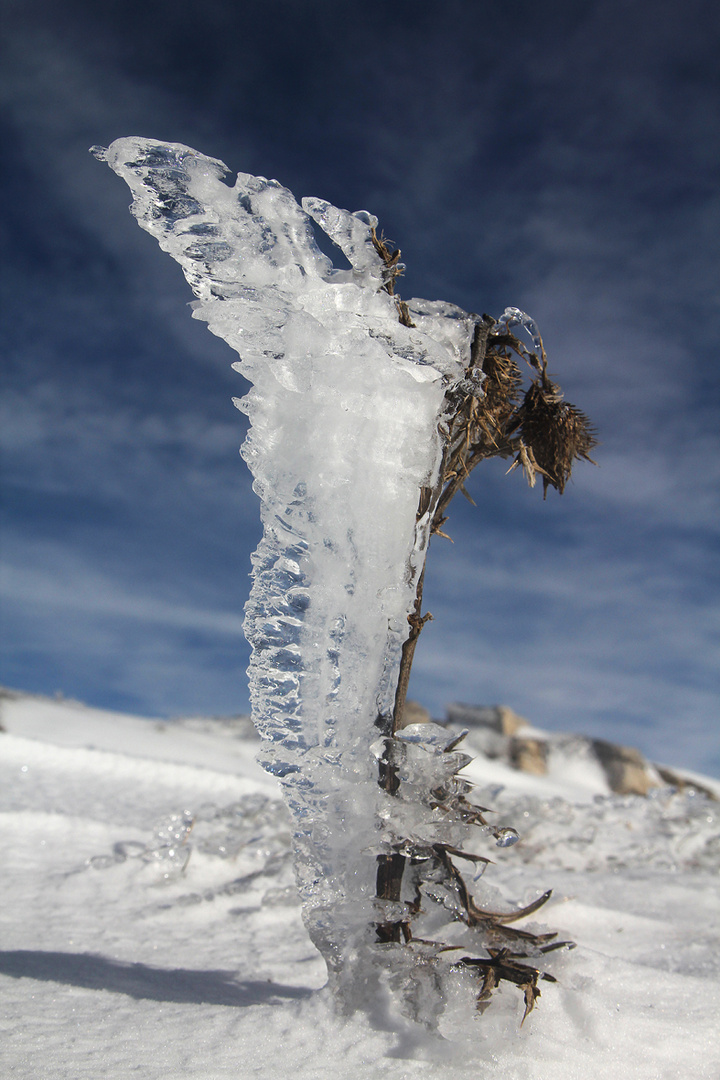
506 837
433 737
513 316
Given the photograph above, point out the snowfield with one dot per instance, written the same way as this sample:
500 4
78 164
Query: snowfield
150 926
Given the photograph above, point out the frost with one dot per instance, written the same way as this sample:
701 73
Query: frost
252 832
666 832
344 410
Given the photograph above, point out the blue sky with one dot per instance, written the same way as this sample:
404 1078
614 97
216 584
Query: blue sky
561 157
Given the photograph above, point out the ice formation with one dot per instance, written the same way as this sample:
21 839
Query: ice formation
344 410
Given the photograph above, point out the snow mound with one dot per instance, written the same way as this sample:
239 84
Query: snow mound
150 924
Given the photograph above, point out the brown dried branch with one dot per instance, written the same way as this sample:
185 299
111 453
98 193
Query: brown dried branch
490 417
500 966
487 415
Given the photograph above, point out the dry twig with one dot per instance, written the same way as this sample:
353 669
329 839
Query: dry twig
487 415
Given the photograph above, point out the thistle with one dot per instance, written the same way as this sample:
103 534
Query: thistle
487 415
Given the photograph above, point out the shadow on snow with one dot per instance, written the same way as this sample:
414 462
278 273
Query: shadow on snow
183 985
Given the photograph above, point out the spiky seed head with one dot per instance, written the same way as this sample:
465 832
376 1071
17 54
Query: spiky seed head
557 432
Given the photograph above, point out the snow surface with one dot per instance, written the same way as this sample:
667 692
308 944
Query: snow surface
151 928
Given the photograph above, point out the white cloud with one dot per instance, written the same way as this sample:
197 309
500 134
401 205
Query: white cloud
59 578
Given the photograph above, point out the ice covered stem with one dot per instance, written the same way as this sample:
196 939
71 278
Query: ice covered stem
344 410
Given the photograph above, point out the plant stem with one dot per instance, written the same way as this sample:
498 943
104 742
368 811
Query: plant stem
417 621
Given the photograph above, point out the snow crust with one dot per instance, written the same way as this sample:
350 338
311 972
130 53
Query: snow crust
134 945
344 408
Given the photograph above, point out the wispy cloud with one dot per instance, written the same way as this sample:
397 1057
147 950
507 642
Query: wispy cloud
617 650
70 586
106 638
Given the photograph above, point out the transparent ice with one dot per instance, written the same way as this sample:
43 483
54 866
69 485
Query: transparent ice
344 410
512 317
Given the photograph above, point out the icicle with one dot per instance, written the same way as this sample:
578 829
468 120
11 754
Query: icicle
344 412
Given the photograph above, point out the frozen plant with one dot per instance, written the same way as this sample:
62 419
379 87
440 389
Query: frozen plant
367 414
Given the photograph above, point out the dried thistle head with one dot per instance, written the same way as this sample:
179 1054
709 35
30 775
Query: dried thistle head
391 258
501 386
556 433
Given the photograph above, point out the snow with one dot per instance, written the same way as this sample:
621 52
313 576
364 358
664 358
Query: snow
150 925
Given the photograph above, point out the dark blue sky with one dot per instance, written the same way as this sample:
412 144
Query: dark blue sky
561 157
